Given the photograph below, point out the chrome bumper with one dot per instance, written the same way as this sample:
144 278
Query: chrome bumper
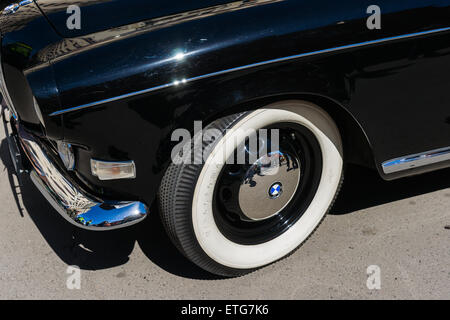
68 199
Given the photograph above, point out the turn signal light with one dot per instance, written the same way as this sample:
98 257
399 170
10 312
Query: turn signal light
106 170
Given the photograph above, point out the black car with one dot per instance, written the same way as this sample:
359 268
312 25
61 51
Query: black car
235 117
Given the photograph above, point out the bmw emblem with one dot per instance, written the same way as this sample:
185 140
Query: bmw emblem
275 190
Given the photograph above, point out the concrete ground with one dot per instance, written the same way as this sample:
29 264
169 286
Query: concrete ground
399 226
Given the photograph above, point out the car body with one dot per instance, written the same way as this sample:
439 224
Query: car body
116 89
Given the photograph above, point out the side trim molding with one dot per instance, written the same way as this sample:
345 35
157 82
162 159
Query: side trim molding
416 160
179 82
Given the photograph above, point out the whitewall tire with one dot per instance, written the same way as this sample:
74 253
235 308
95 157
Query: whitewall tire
218 243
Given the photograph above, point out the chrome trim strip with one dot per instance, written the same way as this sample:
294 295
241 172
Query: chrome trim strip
416 160
253 65
12 8
69 200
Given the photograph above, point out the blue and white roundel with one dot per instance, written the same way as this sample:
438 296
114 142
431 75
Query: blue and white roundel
275 190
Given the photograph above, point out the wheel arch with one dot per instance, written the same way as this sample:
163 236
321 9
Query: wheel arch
357 146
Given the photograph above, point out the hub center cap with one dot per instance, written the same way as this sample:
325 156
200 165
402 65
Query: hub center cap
269 185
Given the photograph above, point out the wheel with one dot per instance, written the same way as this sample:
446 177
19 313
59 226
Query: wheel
253 201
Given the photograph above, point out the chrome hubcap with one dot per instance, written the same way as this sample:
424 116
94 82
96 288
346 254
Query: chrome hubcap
257 201
269 185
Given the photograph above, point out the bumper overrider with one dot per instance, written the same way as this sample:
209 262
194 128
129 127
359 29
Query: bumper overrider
74 204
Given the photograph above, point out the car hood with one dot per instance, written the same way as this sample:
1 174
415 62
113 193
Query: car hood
98 15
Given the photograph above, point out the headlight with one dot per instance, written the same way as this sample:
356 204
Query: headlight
65 152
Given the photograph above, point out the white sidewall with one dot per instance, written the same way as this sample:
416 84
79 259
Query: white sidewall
239 256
